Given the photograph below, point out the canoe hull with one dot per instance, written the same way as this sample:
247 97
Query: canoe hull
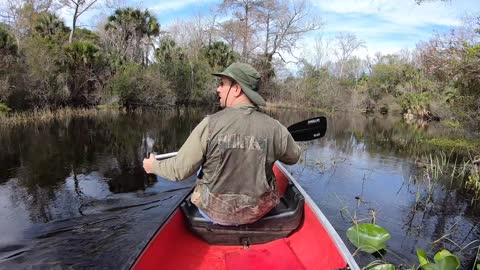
312 246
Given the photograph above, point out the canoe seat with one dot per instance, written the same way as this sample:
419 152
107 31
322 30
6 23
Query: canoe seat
276 224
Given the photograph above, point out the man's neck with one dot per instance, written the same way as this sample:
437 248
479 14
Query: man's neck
242 100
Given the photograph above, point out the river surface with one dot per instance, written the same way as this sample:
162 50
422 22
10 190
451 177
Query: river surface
73 194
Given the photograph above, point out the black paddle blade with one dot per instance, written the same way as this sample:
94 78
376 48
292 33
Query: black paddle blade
310 129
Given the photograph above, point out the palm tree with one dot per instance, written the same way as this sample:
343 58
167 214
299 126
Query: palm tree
152 30
168 52
82 59
82 51
131 26
7 42
48 25
219 55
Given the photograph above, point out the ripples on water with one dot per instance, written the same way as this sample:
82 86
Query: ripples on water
108 233
73 193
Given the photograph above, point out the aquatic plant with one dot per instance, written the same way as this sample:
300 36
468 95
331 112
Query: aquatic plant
454 173
444 260
368 237
473 183
379 265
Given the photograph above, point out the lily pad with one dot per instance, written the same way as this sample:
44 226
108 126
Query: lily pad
422 257
386 266
368 237
444 260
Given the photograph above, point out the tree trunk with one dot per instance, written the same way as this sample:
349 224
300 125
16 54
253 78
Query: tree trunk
74 23
245 37
267 35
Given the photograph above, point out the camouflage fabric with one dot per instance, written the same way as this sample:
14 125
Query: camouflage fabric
237 148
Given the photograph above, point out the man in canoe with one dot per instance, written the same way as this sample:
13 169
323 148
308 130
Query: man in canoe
236 149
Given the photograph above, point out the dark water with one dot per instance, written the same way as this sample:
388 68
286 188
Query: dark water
73 193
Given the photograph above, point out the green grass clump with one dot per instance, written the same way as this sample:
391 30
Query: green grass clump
452 123
450 143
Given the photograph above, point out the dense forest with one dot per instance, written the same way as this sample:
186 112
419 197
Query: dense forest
131 61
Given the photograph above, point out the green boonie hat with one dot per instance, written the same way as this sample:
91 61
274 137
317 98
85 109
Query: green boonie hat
247 77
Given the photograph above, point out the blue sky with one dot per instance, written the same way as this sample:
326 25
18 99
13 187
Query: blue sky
384 25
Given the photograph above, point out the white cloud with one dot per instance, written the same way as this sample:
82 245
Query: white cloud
178 5
66 14
404 12
389 26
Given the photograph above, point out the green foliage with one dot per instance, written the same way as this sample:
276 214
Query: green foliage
452 123
133 22
219 55
87 35
396 76
49 72
168 52
85 64
417 103
450 94
202 83
468 73
453 61
473 183
48 25
381 266
188 78
264 66
7 42
82 52
368 237
444 260
4 109
383 79
45 59
467 110
127 30
137 86
315 87
450 143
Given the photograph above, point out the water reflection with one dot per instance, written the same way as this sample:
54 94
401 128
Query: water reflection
76 188
365 170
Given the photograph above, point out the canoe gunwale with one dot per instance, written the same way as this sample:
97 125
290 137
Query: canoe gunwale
165 223
323 220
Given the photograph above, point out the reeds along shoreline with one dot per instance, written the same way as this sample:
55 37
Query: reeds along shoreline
462 173
47 115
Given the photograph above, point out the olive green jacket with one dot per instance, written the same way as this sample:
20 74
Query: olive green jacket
236 148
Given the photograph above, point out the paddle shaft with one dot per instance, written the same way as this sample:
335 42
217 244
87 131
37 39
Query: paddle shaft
305 130
165 156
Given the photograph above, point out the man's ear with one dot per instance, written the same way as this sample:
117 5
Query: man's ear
238 90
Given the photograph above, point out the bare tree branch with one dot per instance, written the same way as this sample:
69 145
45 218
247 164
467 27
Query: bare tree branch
79 7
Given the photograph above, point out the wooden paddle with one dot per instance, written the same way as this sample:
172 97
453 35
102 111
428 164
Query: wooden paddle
305 130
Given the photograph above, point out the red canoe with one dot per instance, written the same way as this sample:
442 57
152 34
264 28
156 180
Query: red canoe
295 236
